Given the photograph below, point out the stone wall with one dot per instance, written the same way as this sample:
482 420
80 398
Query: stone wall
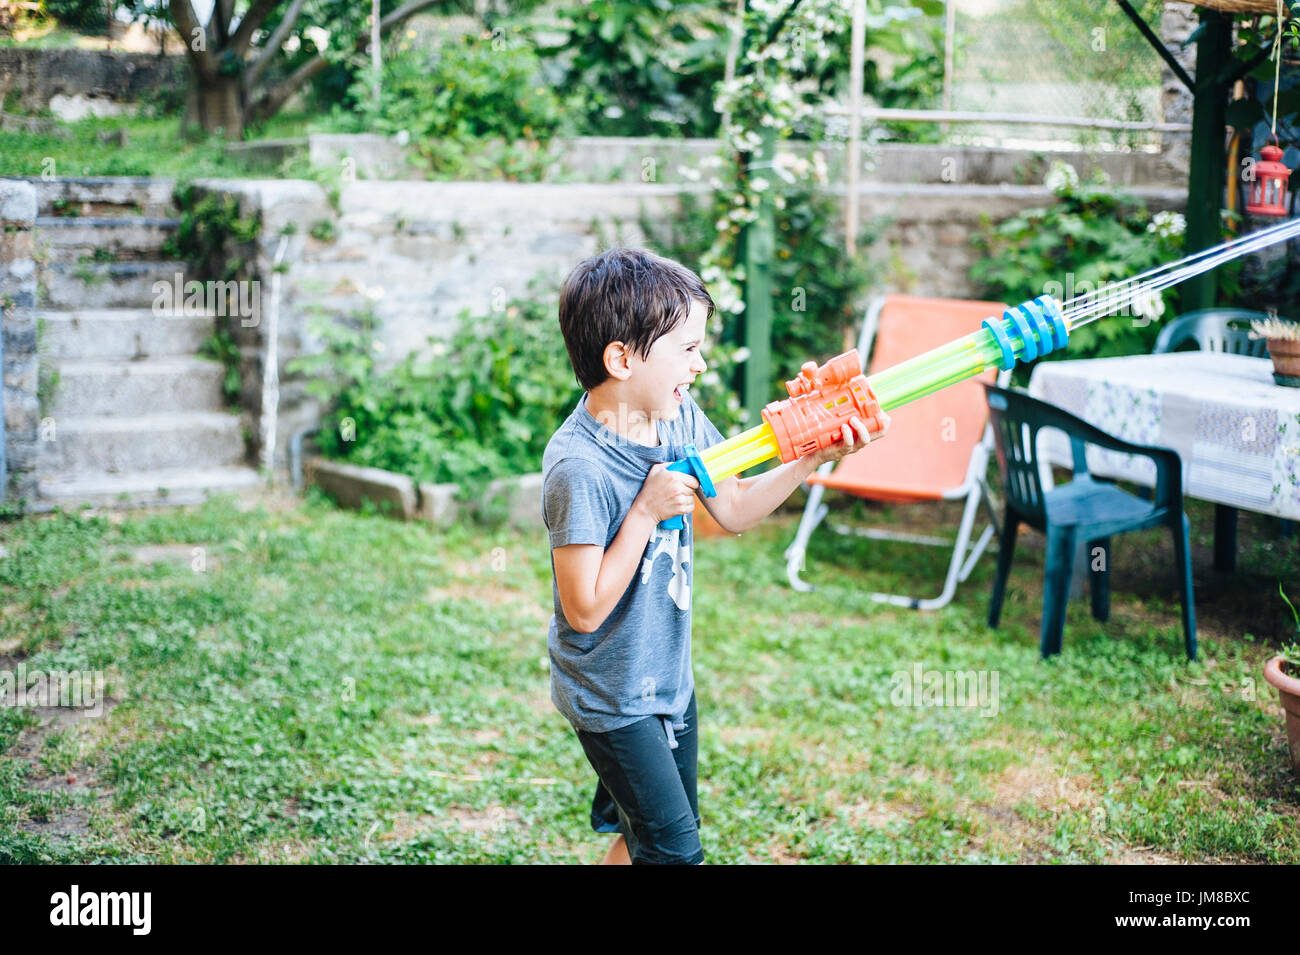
418 253
41 77
18 326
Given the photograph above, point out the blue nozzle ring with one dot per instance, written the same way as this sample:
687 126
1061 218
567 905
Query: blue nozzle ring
994 326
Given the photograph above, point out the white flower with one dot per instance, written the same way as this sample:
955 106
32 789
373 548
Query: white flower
1150 304
318 35
759 185
687 173
1168 224
740 355
1061 178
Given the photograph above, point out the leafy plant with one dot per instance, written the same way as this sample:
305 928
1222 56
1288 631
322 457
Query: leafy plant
476 106
1094 235
210 224
480 405
1275 328
1291 651
641 69
220 346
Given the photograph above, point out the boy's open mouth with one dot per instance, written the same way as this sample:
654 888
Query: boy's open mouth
681 390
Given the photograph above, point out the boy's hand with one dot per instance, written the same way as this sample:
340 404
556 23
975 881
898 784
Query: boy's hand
850 443
666 493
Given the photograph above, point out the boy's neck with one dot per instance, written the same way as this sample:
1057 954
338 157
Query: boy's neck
614 412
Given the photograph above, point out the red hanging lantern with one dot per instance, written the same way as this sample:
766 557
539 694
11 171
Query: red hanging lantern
1268 193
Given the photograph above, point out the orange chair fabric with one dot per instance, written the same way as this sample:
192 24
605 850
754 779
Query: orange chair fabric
928 449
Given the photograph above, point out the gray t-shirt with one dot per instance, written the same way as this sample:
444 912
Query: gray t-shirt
638 662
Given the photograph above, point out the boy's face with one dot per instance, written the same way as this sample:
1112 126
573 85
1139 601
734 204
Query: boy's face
674 362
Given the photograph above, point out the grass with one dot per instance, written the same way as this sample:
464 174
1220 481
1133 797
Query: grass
298 683
154 148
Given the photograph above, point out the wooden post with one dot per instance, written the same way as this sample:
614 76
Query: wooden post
1205 178
858 38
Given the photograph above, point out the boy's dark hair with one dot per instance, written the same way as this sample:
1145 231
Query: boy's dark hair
623 295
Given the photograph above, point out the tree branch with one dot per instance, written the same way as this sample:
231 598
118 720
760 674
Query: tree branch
267 105
256 15
399 16
273 45
187 25
223 12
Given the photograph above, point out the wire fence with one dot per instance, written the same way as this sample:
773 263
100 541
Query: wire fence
1059 58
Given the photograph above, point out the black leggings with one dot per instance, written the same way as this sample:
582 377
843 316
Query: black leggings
646 789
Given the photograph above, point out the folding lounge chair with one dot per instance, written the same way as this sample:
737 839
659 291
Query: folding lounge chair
937 448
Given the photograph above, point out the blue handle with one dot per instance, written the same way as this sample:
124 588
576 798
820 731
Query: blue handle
691 464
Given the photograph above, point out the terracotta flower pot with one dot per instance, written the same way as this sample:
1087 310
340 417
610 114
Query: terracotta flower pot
1285 353
1288 690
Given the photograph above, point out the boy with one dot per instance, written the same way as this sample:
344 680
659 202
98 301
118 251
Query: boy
620 639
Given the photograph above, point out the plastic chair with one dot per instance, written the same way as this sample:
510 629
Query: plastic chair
1084 510
937 448
1221 330
1214 329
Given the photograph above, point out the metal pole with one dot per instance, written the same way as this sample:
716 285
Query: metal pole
858 40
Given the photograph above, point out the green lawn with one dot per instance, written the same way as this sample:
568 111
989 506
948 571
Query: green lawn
297 683
154 147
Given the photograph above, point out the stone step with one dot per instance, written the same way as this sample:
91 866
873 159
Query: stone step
126 238
143 488
127 388
103 196
142 443
121 334
105 285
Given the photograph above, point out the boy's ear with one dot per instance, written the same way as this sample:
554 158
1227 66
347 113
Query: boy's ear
618 360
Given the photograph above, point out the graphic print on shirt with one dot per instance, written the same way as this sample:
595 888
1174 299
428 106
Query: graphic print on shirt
676 543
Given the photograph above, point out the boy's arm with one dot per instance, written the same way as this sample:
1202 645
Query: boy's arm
742 502
591 578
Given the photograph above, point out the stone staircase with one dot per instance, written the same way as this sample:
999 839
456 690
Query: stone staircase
137 417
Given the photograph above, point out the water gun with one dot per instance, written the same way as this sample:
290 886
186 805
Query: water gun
824 399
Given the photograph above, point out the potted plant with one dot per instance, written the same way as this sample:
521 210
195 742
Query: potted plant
1283 672
1283 347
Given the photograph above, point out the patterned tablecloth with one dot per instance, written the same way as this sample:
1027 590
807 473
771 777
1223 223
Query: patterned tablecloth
1237 432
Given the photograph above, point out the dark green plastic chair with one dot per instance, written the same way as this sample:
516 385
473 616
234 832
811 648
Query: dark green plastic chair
1214 329
1085 509
1221 330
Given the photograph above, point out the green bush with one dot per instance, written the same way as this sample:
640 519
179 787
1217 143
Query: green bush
85 16
1094 235
638 68
474 107
478 406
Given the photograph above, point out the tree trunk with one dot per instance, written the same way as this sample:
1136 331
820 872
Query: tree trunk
216 106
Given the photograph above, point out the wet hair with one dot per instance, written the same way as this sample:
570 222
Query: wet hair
623 295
